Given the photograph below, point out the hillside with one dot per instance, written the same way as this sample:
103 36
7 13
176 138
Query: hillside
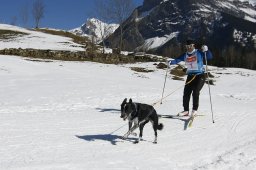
35 40
53 44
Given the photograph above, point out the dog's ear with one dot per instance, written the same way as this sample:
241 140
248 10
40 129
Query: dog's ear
124 102
130 101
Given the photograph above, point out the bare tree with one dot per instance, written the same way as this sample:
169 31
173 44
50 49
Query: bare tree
121 10
117 11
100 11
24 15
92 29
38 11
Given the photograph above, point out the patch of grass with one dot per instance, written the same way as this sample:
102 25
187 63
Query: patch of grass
9 34
161 65
178 71
177 78
38 60
210 81
210 75
76 38
141 69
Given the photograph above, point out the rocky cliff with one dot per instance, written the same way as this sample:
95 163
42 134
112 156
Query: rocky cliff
161 26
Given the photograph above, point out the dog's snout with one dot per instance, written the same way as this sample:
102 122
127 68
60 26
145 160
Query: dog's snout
123 116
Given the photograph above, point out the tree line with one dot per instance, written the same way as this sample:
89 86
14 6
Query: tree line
232 55
37 11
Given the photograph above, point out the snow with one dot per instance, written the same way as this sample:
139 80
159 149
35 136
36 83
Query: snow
224 4
155 42
243 37
205 10
253 2
249 11
251 14
37 40
248 18
66 115
96 28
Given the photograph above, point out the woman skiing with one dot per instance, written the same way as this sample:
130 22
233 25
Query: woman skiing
193 59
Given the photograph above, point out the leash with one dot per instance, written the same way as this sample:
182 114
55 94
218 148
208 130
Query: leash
125 123
160 101
144 120
137 125
136 111
118 129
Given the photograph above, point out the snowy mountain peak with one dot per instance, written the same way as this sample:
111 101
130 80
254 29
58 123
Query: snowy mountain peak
96 29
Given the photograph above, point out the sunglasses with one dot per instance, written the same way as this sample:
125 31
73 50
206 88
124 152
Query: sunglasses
189 46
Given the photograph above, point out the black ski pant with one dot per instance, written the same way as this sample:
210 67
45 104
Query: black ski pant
193 87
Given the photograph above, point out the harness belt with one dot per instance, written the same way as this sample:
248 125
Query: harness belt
194 76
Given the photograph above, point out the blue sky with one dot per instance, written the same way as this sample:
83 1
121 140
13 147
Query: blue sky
61 14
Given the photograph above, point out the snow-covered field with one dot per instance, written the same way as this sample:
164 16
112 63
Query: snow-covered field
66 116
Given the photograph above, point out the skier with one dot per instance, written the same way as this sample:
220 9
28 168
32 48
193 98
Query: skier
195 74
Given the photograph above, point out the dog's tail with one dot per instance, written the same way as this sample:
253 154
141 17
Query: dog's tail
160 126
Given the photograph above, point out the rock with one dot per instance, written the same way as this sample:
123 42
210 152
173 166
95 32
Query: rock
77 56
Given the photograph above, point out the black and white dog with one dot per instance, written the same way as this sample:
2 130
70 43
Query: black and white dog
139 114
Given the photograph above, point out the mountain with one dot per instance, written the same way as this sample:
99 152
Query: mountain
161 26
253 2
96 28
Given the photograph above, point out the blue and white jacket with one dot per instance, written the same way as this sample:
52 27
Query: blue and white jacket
194 61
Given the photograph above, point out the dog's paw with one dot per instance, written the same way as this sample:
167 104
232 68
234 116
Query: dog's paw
135 142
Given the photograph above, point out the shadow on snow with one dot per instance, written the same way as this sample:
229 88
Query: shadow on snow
184 119
113 139
112 110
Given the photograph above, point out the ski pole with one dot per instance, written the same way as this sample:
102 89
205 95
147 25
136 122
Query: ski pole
164 84
209 85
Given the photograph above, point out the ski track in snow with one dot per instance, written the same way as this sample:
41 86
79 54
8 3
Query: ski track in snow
66 115
235 158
